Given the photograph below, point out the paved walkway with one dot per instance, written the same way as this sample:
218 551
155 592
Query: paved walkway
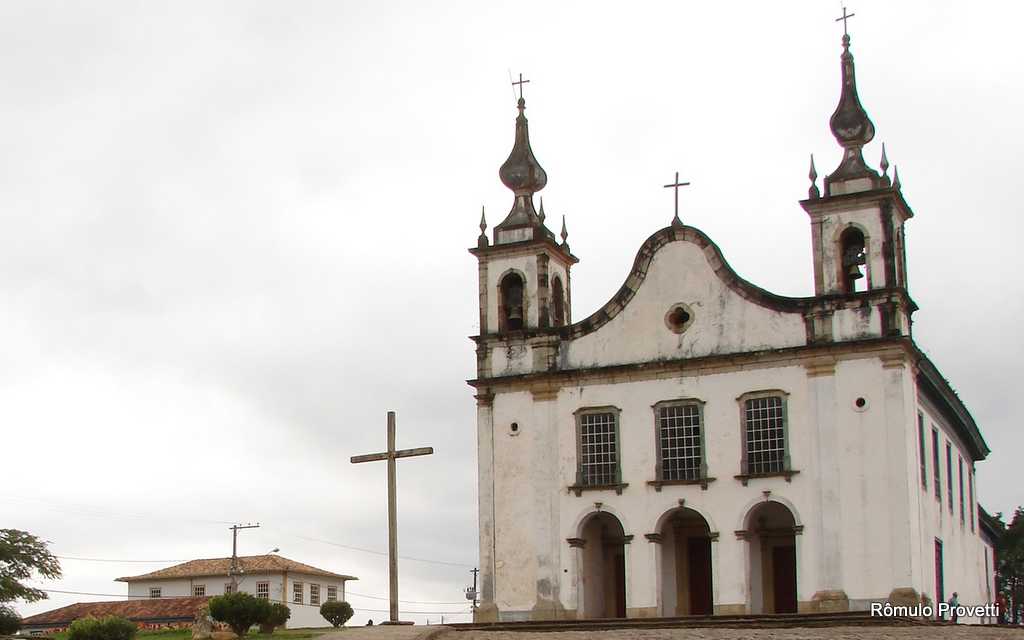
951 632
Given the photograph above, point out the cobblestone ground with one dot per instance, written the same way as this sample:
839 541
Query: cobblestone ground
950 632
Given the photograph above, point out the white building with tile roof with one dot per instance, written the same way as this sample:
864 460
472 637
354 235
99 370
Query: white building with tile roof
300 586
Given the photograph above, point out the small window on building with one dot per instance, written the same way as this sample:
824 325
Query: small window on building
949 475
332 593
314 594
852 250
937 468
970 497
154 592
263 590
198 590
228 588
960 480
511 312
558 301
680 446
764 426
923 451
297 592
598 447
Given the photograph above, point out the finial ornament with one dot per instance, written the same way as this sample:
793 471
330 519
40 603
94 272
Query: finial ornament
482 240
843 17
540 214
676 222
896 178
565 233
884 163
813 175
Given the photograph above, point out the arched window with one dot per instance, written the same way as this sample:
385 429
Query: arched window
510 313
558 300
852 249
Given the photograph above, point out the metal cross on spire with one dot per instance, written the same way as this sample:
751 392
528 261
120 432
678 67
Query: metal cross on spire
844 18
519 82
675 185
391 455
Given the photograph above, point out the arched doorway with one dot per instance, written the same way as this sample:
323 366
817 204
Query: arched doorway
686 583
771 538
603 567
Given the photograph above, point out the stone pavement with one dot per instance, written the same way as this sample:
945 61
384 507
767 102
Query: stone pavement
950 632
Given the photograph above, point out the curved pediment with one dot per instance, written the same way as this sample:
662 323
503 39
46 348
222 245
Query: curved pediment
680 267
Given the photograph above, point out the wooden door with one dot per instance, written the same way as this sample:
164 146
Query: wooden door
699 562
620 585
784 579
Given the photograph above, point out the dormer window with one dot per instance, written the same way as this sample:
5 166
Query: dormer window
558 301
511 313
852 249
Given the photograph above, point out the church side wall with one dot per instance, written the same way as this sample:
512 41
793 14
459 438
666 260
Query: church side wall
963 550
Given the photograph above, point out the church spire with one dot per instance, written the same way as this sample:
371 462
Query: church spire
850 123
523 175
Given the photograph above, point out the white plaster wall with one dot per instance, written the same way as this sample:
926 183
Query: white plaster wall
963 549
856 323
304 615
867 535
724 321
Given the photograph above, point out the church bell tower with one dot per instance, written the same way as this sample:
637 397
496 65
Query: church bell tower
857 223
524 272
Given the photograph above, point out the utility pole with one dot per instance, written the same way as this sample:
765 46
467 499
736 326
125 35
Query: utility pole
233 570
471 593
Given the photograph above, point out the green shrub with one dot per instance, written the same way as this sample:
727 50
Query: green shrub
10 621
277 615
105 628
337 612
238 610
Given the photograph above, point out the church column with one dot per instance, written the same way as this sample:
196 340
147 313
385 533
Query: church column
488 610
544 468
828 591
902 476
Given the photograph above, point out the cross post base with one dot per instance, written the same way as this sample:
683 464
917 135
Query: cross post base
398 622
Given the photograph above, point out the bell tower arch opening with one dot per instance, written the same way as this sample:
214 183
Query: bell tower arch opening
853 252
511 311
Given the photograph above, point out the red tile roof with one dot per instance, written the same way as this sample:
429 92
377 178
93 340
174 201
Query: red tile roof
220 566
140 610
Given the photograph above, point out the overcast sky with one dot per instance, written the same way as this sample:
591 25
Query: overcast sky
233 235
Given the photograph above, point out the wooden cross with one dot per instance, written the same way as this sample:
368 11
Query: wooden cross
391 455
521 82
675 185
844 18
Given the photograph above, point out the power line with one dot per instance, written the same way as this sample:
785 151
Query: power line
375 552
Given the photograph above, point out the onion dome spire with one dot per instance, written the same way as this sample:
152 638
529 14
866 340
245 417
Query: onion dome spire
523 175
850 123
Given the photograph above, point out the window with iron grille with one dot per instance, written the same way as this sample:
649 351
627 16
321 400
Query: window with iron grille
937 473
297 592
923 453
263 590
314 594
228 588
154 592
680 446
598 448
198 590
332 594
765 428
949 475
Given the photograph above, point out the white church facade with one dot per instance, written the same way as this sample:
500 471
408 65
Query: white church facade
699 445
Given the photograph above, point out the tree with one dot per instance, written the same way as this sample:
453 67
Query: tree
10 621
277 614
337 612
239 611
21 555
1010 567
